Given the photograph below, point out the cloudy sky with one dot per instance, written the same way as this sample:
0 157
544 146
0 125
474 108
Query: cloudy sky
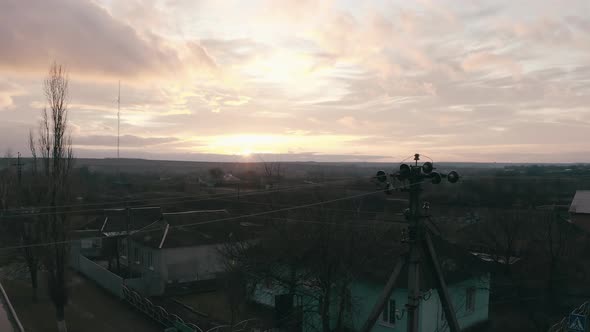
458 80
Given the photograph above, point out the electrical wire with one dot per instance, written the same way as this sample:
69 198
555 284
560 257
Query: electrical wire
192 224
143 200
207 198
285 205
257 214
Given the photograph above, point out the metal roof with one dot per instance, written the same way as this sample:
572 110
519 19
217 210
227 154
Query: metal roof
581 202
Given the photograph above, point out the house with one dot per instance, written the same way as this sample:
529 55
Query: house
117 222
184 247
468 285
580 209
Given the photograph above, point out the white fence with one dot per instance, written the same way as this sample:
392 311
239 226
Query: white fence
105 278
128 290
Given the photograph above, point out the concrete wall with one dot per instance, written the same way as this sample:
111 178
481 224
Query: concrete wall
191 263
105 278
85 249
174 264
152 276
582 220
140 259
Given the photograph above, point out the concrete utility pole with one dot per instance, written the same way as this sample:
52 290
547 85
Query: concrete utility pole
19 168
128 223
421 250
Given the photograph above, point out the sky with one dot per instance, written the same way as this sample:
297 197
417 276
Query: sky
457 80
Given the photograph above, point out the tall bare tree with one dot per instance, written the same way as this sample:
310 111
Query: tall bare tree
56 150
33 149
6 182
45 141
29 229
29 238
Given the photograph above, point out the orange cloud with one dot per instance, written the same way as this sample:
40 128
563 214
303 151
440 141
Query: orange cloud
86 38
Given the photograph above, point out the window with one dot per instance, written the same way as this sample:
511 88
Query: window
470 299
136 254
388 316
150 259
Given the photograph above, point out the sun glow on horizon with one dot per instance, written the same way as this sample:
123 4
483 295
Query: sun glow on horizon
247 145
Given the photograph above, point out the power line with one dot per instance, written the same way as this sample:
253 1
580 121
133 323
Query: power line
194 224
215 220
258 214
353 224
286 205
174 200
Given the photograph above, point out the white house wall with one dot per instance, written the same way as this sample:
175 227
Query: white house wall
431 311
192 263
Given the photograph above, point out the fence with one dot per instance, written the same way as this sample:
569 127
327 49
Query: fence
126 290
561 326
105 278
116 285
156 312
166 319
147 284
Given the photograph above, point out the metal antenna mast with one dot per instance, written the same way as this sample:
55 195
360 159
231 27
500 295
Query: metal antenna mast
118 120
421 250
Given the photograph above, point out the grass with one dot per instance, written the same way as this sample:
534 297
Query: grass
90 309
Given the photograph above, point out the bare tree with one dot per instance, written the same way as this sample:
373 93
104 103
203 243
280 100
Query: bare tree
33 150
45 141
503 234
273 171
6 184
56 150
29 238
236 291
310 266
29 229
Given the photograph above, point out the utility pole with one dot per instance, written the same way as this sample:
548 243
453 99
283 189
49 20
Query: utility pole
415 254
19 168
421 250
128 222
